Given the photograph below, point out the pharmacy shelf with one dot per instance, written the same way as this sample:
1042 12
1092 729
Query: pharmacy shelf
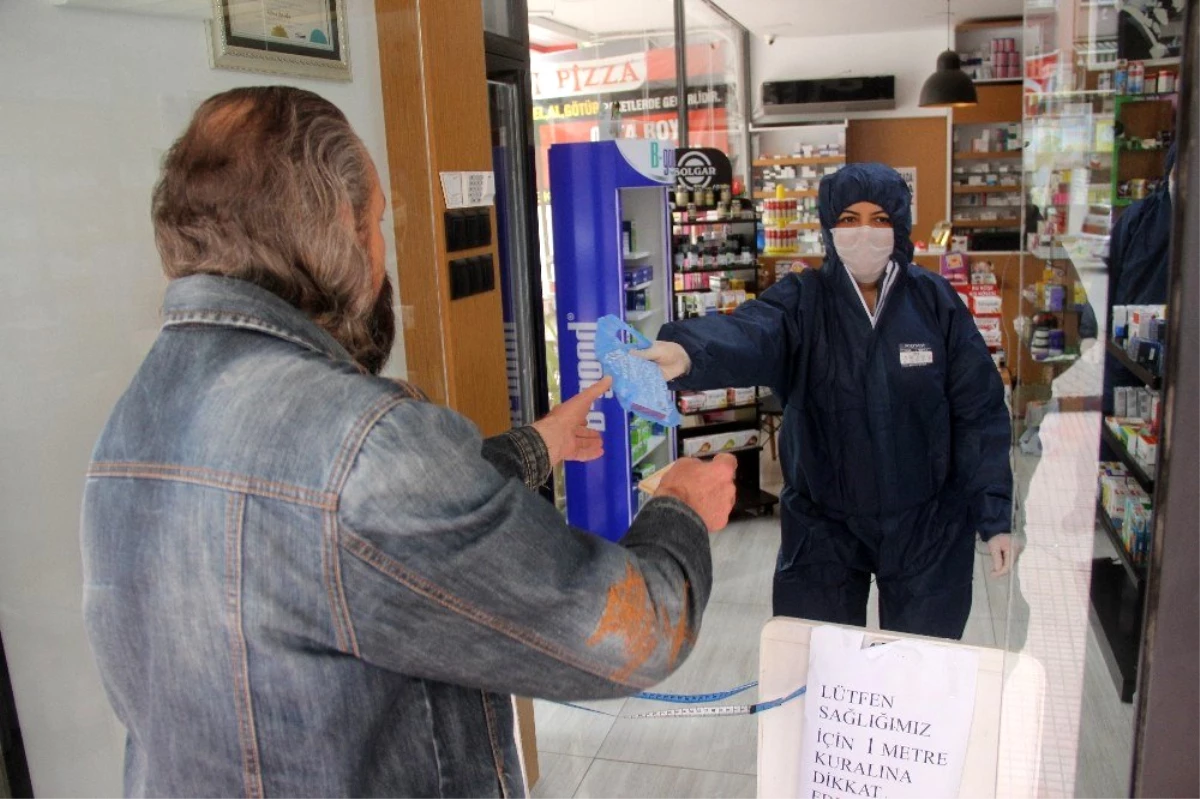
987 223
715 269
1151 380
1136 572
1166 97
752 499
733 451
732 220
651 448
640 286
1117 607
635 256
714 429
817 160
1135 467
791 194
988 189
970 155
720 410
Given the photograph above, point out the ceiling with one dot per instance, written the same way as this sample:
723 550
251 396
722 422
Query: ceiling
782 18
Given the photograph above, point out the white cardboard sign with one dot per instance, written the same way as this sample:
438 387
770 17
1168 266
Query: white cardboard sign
886 722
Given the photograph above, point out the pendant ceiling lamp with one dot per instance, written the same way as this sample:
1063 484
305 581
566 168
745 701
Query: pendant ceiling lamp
949 87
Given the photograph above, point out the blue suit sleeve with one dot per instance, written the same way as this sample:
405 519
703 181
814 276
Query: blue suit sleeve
753 346
981 430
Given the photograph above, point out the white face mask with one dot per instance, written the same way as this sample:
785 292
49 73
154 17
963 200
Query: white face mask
865 250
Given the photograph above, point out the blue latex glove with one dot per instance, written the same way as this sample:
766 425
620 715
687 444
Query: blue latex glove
638 384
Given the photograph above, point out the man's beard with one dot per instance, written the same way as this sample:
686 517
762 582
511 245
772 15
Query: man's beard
381 329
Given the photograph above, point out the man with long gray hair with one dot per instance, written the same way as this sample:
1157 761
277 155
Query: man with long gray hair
302 579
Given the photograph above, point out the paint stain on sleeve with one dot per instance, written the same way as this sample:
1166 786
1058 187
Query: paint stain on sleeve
630 615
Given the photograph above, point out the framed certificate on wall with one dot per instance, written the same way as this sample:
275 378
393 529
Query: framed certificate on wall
301 38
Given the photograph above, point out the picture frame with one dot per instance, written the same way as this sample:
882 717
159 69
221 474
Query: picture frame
297 38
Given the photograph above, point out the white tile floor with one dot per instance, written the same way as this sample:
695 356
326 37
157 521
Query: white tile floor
585 754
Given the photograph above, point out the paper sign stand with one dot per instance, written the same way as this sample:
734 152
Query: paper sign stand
1008 733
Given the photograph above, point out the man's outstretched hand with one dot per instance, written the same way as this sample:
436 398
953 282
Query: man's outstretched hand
565 430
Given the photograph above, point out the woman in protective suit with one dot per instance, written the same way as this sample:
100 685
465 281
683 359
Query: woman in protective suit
895 436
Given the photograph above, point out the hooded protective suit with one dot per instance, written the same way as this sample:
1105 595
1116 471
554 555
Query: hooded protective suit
1138 267
895 436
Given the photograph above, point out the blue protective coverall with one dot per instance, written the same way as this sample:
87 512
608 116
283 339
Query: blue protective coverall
1138 266
891 462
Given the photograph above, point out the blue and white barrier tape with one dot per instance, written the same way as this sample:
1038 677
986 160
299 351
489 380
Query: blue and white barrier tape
692 712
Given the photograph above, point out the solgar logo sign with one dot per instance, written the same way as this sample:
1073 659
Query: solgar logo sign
695 170
701 167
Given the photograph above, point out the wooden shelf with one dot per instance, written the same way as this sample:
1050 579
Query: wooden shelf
796 194
1151 380
987 223
974 156
987 189
816 160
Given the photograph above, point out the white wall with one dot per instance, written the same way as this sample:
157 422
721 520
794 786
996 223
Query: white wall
88 100
909 55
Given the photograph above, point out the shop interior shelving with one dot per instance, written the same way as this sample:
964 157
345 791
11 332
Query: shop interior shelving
811 150
689 231
989 212
1118 589
1139 116
644 210
972 40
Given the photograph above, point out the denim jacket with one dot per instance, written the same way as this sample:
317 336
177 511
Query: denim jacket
300 580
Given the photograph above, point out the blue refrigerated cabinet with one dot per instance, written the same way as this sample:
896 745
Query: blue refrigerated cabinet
611 221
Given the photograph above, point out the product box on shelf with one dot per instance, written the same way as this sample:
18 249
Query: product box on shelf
1146 449
638 275
954 268
715 399
720 442
985 300
741 396
691 401
992 330
1137 526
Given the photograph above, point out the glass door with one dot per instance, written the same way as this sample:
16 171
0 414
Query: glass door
516 232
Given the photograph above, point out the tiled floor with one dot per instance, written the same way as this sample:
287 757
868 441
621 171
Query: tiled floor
585 754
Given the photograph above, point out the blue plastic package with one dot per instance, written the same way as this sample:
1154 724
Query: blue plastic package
638 384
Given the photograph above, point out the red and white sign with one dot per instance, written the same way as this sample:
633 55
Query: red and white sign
597 76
